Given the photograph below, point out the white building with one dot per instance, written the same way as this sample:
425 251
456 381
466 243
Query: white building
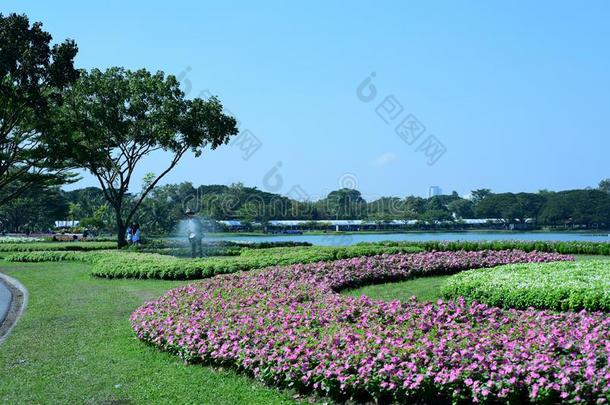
434 191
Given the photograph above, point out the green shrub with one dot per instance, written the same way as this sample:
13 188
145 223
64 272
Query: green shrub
56 246
556 286
186 251
58 256
183 243
137 265
588 248
131 264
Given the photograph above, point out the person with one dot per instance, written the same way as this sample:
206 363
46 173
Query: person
137 234
194 230
130 234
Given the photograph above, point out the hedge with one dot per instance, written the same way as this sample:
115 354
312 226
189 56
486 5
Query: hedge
56 246
60 256
207 251
557 286
183 243
588 248
129 264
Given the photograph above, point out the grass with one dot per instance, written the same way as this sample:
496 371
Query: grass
424 288
74 344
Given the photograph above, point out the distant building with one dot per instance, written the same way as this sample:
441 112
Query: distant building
363 225
66 224
434 191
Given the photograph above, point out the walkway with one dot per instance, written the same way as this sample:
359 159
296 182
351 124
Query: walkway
13 300
5 301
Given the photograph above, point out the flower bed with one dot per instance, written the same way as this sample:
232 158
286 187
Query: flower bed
287 327
558 286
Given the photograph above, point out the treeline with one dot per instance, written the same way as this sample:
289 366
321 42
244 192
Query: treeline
164 207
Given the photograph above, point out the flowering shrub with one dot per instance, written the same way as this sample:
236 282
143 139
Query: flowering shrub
559 286
287 327
19 239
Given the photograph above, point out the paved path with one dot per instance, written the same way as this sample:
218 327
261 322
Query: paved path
13 301
5 301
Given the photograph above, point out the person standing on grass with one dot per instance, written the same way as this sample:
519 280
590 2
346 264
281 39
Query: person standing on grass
137 234
194 230
130 234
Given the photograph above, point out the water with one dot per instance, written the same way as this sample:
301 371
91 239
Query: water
350 239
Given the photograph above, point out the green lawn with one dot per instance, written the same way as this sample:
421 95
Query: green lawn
591 257
74 344
424 288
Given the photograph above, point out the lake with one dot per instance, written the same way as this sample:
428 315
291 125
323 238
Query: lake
350 239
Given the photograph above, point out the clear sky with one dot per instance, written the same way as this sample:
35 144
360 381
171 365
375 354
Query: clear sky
517 93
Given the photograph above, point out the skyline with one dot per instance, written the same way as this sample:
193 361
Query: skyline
291 77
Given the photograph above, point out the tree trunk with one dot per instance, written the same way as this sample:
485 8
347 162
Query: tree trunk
122 230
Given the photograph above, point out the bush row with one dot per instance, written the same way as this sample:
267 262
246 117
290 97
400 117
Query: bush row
128 264
207 251
589 248
182 243
557 286
56 246
60 256
166 267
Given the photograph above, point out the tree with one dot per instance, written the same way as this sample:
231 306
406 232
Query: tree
462 208
345 203
386 208
510 207
36 209
118 117
604 186
88 199
433 215
577 207
415 205
33 76
479 195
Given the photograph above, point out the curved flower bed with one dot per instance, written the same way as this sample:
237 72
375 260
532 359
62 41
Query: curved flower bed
287 327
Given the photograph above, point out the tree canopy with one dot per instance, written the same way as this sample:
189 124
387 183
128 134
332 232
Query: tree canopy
33 78
115 118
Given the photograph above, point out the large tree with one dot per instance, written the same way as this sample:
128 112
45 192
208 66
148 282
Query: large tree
36 209
345 203
462 208
117 117
479 195
512 208
33 75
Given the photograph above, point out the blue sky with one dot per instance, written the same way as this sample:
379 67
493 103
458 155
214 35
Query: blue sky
517 93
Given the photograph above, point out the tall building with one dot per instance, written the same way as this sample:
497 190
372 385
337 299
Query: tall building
434 191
